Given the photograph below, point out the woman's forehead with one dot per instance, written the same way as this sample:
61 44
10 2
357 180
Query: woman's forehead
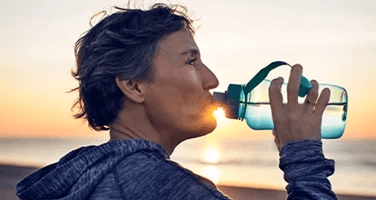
178 43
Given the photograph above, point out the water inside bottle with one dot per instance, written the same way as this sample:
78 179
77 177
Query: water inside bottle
259 117
258 113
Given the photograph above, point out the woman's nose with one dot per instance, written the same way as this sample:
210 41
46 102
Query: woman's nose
210 81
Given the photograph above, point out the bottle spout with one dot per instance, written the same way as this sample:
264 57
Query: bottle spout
229 106
219 98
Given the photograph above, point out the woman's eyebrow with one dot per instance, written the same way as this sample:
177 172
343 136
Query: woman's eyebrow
189 51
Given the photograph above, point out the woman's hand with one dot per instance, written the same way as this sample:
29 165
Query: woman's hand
294 121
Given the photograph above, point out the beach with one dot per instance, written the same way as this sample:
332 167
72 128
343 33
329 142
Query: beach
10 175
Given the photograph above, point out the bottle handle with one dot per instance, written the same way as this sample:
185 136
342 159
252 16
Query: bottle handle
304 87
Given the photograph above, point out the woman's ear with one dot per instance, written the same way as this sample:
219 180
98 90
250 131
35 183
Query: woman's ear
132 89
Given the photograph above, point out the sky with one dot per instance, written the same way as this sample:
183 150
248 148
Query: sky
334 41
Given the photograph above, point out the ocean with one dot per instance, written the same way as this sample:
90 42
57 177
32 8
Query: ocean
250 163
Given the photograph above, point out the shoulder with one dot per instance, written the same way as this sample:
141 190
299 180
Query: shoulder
148 174
149 167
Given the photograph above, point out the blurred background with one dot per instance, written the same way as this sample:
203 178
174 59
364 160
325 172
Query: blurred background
334 41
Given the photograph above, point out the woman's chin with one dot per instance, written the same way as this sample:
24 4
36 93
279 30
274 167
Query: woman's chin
203 124
208 125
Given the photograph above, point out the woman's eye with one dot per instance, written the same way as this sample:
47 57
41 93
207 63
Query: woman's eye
191 62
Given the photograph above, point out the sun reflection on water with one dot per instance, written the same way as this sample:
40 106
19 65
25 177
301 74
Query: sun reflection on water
211 172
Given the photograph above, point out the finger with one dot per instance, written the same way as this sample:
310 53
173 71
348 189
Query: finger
275 96
274 134
312 95
293 85
277 143
322 102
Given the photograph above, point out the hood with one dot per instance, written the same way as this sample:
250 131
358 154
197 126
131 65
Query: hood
78 172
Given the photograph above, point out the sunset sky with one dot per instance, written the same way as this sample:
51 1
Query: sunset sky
334 41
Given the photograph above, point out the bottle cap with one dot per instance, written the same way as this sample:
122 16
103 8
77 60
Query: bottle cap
230 99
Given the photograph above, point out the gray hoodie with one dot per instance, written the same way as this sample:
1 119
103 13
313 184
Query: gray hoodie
140 169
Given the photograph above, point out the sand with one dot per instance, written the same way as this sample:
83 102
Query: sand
10 175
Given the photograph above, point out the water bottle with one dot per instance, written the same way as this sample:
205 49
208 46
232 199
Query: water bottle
251 102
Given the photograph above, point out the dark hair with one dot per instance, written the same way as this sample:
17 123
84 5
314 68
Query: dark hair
121 45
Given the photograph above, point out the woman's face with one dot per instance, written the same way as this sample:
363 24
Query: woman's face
178 100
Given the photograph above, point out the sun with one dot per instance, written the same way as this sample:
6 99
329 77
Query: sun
211 155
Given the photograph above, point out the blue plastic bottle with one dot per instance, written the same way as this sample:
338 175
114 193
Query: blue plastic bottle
251 102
